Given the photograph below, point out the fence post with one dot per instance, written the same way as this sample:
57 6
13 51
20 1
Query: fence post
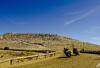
45 56
11 62
54 54
36 57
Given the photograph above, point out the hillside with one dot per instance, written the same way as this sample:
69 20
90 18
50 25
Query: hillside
42 41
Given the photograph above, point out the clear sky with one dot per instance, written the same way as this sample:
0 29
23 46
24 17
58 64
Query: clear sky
79 19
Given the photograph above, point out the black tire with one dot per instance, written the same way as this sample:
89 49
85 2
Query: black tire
69 55
76 53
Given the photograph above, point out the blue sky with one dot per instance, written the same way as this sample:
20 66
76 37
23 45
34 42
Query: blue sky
79 19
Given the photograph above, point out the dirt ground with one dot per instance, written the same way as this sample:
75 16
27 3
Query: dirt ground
81 61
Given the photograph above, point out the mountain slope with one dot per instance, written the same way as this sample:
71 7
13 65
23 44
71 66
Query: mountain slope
42 41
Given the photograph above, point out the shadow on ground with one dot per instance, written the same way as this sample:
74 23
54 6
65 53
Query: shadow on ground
65 57
61 57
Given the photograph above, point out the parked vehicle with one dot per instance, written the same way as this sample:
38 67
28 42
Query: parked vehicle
75 51
67 52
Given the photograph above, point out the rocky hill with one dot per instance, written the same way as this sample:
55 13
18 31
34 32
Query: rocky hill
42 41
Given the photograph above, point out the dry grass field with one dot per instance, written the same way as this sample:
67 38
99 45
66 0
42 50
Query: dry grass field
81 61
6 55
37 41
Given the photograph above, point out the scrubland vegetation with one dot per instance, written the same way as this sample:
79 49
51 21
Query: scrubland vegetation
40 41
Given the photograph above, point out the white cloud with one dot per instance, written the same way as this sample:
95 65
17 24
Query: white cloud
82 16
75 13
96 38
95 29
15 21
